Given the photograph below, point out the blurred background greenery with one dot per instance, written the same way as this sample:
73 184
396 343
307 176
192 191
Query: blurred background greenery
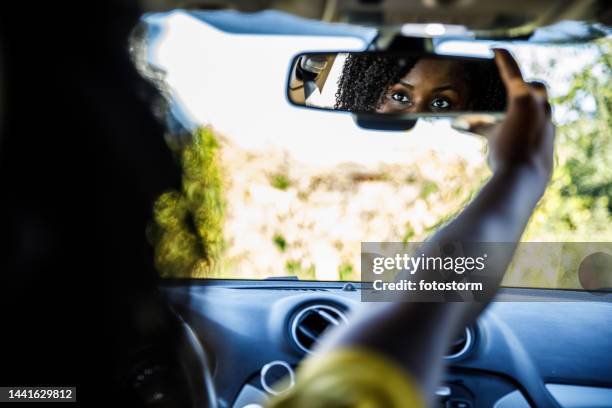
189 227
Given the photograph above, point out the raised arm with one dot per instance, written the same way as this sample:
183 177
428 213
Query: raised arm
417 335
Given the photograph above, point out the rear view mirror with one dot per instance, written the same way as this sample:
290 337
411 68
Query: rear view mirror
390 85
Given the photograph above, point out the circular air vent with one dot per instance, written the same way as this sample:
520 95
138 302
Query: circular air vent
462 344
310 322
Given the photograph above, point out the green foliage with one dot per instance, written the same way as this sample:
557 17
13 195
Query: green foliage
295 268
346 272
589 162
410 179
577 205
408 234
187 228
427 188
280 242
280 181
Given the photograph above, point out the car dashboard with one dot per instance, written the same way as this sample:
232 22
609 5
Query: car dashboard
530 348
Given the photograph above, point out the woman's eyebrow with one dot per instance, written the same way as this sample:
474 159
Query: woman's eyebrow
406 84
445 88
438 89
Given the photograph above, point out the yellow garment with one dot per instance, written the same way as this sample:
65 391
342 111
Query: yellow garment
351 378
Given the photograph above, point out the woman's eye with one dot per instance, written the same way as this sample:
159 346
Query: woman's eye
400 97
440 104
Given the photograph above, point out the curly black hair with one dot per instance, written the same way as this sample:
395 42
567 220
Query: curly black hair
366 78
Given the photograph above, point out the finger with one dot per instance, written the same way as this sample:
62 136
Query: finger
507 65
510 73
539 88
540 91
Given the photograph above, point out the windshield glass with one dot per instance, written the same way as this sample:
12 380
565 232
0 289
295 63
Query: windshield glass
273 190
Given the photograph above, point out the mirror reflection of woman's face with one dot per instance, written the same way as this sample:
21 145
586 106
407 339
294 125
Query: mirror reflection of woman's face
431 86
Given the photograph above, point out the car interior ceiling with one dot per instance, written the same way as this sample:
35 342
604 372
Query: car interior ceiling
481 15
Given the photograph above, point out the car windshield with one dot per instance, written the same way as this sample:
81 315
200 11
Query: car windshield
272 190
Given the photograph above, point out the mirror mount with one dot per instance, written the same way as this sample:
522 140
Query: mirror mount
394 40
411 44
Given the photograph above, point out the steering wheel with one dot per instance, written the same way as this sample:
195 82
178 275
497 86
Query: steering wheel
197 368
170 371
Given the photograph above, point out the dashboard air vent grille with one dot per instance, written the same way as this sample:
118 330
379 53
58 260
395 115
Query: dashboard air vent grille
310 322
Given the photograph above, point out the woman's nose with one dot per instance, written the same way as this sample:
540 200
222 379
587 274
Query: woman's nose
420 105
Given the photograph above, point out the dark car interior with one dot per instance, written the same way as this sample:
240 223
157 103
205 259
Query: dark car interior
532 353
84 155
